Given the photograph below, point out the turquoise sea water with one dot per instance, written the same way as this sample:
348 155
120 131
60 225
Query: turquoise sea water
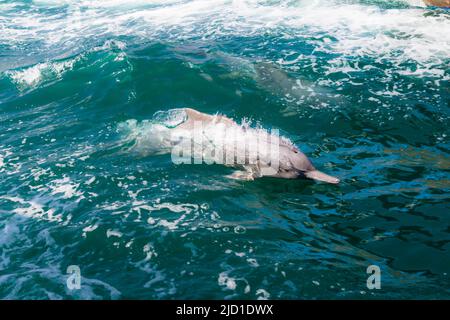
362 87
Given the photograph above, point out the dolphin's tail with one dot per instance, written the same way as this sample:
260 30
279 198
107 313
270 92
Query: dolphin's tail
320 176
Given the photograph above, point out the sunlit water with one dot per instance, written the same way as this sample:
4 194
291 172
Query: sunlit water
362 87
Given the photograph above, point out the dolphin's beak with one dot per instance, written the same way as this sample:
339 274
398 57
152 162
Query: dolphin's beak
320 176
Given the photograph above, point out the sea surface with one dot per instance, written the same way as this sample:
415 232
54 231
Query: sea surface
360 86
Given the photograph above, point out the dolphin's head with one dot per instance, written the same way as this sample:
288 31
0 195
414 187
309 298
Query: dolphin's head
299 161
305 169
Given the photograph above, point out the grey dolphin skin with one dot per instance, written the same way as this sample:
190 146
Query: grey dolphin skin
271 78
276 81
293 163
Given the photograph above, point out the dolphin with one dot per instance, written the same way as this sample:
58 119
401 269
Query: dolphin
268 76
275 80
292 163
271 78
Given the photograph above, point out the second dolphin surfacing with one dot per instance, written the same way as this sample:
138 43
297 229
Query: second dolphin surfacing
291 162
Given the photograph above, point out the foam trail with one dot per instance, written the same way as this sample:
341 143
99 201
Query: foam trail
417 3
358 29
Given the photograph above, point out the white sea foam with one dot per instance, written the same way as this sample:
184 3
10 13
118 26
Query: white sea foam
67 188
353 29
417 3
262 294
226 281
113 233
149 252
4 155
34 75
89 228
33 209
184 210
147 137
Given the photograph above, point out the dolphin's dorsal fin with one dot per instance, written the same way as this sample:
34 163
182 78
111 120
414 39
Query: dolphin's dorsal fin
194 115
